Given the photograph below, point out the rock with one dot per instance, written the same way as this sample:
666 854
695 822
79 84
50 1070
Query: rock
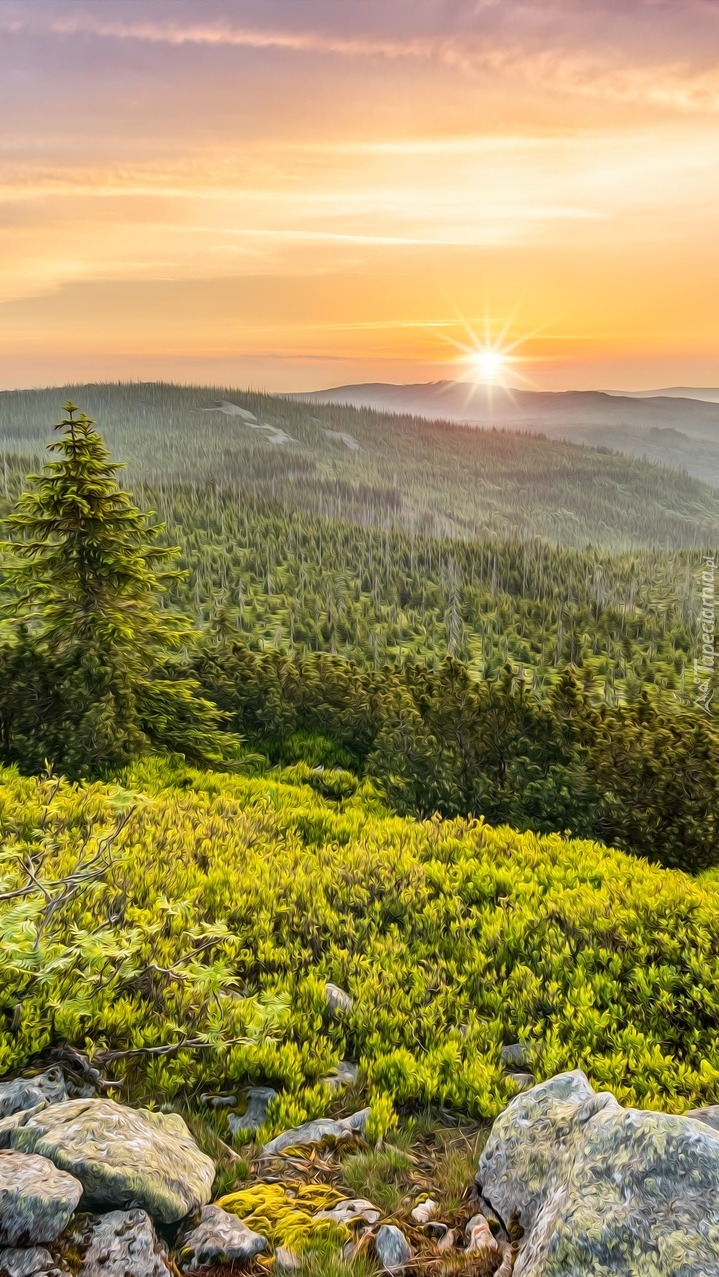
259 1099
315 1132
708 1115
338 1001
11 1123
217 1239
424 1211
29 1262
600 1189
354 1208
392 1248
447 1242
479 1237
515 1056
123 1157
521 1081
219 1101
36 1199
26 1093
286 1261
345 1074
124 1242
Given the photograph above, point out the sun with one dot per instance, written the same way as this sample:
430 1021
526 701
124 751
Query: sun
489 364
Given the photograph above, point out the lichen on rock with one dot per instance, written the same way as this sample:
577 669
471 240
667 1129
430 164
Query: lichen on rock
599 1189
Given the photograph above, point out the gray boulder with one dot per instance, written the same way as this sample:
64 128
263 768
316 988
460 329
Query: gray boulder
219 1238
324 1128
34 1261
259 1099
338 1000
392 1248
123 1157
27 1092
36 1199
515 1056
599 1189
122 1243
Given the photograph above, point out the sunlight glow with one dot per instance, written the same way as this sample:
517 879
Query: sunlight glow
490 365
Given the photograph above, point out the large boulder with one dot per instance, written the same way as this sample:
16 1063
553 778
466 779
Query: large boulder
123 1157
599 1189
36 1199
122 1243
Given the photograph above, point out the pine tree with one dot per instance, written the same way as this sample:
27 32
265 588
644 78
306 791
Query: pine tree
89 571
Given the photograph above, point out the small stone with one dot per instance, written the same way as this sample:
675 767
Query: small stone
392 1248
345 1074
447 1242
286 1261
315 1132
479 1237
124 1242
26 1262
36 1199
219 1101
521 1082
338 1000
219 1238
259 1099
354 1208
26 1092
515 1056
424 1211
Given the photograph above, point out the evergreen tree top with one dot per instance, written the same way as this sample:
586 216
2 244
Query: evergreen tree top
85 560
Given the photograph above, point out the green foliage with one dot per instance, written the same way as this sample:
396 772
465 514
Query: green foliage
229 904
88 683
328 1262
382 1118
641 774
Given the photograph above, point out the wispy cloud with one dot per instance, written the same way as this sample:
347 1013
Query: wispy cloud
555 58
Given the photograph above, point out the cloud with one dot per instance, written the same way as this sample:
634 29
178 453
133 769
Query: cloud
648 51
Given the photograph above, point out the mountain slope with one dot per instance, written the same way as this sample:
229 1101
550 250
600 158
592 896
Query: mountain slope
374 468
634 424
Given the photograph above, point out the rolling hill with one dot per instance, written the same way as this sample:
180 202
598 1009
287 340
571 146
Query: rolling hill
378 469
663 426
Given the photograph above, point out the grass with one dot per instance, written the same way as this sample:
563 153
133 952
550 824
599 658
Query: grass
383 1176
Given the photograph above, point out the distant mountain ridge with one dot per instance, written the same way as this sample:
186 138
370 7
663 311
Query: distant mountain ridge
382 470
661 426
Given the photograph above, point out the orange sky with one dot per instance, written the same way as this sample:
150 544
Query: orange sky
293 194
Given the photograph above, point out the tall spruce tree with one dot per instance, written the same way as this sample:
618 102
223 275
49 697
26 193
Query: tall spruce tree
97 677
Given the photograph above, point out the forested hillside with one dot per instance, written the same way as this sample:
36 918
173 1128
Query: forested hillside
377 469
302 813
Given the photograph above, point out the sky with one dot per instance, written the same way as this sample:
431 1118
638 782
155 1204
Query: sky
294 194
